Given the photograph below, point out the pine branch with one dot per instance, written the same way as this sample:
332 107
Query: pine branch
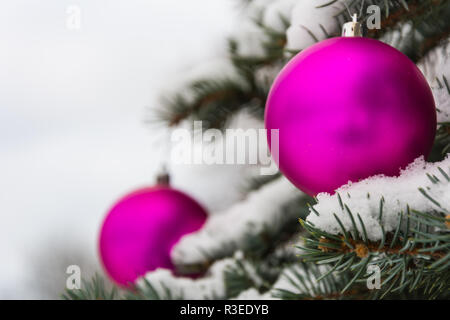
430 26
257 243
441 145
216 100
415 256
255 183
429 21
238 279
260 273
96 289
443 138
213 101
146 291
305 282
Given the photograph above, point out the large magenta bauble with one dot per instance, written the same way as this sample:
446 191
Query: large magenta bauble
140 230
346 109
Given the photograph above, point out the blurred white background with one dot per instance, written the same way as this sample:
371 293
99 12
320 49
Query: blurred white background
72 110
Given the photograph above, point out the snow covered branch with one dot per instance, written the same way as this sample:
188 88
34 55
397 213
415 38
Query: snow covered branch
423 187
225 232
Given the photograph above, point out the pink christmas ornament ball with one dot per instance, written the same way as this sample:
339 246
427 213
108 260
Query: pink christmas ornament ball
348 108
141 229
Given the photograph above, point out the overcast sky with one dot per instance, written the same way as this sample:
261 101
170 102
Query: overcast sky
72 105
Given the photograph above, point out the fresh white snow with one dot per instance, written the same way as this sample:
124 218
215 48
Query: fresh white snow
398 193
229 229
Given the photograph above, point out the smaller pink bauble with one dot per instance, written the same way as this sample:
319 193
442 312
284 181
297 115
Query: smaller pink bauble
139 232
348 108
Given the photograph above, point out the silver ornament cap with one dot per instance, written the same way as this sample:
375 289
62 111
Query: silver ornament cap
163 177
352 28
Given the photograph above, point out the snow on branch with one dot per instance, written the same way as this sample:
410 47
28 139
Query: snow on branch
264 17
436 62
214 285
276 11
311 21
228 230
442 99
253 294
209 287
422 186
436 68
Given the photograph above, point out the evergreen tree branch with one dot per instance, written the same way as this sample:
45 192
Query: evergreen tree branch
416 256
96 289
